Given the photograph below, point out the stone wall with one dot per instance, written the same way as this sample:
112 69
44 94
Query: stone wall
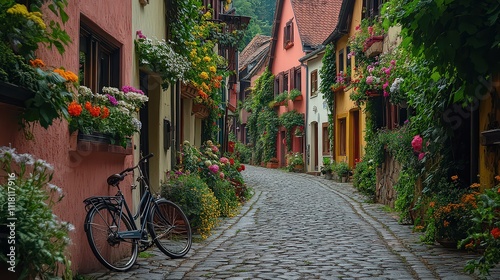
387 177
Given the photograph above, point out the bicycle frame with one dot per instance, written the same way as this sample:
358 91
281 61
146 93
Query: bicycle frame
146 202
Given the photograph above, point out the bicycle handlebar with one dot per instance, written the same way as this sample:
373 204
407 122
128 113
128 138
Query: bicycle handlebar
114 179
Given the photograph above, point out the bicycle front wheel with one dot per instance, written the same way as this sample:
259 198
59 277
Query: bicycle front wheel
102 225
170 229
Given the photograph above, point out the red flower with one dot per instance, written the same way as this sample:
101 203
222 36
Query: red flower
242 167
95 111
231 161
495 232
104 113
88 106
74 109
416 143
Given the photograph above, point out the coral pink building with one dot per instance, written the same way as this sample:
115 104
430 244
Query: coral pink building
101 43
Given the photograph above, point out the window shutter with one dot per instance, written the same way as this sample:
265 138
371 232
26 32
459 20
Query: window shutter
281 82
292 77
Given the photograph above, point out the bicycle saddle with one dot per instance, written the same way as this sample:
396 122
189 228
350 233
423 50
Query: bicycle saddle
114 179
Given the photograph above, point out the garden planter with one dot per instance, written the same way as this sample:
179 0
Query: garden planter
298 168
343 179
490 137
273 165
328 175
298 98
14 95
97 142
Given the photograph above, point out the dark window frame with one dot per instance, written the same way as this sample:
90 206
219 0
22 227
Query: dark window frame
314 83
288 35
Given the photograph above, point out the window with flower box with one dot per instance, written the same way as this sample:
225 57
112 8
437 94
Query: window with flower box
99 58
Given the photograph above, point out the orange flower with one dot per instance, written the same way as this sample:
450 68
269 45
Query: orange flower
37 63
88 106
497 178
74 109
495 232
469 245
104 113
71 77
432 204
446 223
95 111
454 177
475 185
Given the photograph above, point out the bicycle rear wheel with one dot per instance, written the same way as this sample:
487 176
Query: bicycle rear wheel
169 227
102 225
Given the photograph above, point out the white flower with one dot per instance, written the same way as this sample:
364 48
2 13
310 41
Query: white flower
25 159
137 124
85 91
42 165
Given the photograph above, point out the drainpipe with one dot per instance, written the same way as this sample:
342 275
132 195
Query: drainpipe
304 144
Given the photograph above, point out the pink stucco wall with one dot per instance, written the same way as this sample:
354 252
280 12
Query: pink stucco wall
285 59
79 174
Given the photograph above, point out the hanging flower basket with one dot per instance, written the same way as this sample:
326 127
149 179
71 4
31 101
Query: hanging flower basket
373 46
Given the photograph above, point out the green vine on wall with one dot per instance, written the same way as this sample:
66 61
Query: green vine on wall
328 73
290 120
262 122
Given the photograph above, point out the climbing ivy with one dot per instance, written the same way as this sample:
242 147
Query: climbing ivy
456 37
328 73
263 122
290 120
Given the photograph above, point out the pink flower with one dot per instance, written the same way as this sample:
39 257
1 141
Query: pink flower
369 80
224 160
221 175
386 94
393 62
370 30
416 143
215 149
421 156
214 168
140 35
358 27
386 84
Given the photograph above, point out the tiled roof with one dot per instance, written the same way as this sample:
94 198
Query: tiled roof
316 19
255 50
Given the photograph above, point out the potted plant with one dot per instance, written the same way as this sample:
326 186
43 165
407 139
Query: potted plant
342 169
272 163
111 113
326 168
295 162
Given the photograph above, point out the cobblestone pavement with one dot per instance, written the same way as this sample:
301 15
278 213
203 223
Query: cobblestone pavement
300 226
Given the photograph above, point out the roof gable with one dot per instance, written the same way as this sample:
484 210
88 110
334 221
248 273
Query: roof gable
315 20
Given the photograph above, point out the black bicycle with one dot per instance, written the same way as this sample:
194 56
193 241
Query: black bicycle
113 234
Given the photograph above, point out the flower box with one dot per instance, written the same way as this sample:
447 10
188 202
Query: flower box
272 165
188 91
200 111
14 95
298 98
490 137
373 46
97 142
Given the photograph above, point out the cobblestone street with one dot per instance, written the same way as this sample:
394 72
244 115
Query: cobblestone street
300 226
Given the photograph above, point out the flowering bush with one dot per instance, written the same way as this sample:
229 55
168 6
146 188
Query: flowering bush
160 57
364 32
111 112
485 233
294 159
342 80
450 211
41 237
22 32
